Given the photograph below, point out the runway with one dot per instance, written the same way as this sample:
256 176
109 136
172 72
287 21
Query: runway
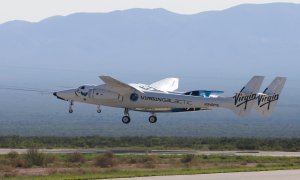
117 151
261 175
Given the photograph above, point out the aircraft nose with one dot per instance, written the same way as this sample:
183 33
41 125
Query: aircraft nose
58 97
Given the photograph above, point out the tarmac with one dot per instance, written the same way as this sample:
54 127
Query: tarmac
260 175
117 151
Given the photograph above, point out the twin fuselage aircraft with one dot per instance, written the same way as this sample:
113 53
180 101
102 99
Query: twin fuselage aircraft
162 96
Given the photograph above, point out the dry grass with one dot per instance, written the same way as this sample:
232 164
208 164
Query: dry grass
105 161
77 164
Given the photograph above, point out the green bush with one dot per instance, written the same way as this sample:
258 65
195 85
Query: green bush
50 158
188 158
35 158
259 165
141 159
149 164
12 155
15 160
75 157
105 161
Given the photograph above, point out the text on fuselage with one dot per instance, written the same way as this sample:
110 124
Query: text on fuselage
166 100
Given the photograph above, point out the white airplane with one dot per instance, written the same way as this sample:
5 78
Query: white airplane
162 97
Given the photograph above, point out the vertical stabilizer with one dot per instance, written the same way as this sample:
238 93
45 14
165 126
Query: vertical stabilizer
245 99
267 100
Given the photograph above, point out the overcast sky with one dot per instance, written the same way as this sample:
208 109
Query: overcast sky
36 10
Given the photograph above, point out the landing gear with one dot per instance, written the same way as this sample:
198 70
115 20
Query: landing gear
98 109
126 117
71 106
153 118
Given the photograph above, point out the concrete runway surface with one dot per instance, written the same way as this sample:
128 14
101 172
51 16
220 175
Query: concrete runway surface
100 151
261 175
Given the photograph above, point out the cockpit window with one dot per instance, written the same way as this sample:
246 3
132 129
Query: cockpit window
82 87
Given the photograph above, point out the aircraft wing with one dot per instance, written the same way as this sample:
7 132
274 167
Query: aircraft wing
168 84
119 86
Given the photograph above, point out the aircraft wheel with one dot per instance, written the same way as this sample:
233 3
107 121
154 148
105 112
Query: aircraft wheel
152 119
71 106
126 119
98 109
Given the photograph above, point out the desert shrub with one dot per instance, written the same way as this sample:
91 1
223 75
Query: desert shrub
75 157
15 160
12 155
141 159
244 163
132 160
187 158
204 156
259 165
6 171
5 168
147 161
147 158
20 162
50 158
105 161
149 164
35 158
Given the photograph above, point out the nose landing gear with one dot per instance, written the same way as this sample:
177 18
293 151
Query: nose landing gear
126 117
71 106
98 109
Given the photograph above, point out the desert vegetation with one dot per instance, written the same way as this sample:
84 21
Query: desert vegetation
198 143
36 165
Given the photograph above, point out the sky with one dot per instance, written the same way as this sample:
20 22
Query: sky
36 10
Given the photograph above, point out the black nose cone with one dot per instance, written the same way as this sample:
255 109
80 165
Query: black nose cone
55 94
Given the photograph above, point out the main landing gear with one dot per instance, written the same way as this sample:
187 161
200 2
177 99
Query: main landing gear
152 118
126 117
71 106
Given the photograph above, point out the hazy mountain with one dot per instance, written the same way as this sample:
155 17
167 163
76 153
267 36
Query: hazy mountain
217 49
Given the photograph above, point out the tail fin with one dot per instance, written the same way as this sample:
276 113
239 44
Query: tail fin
245 99
267 100
168 84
